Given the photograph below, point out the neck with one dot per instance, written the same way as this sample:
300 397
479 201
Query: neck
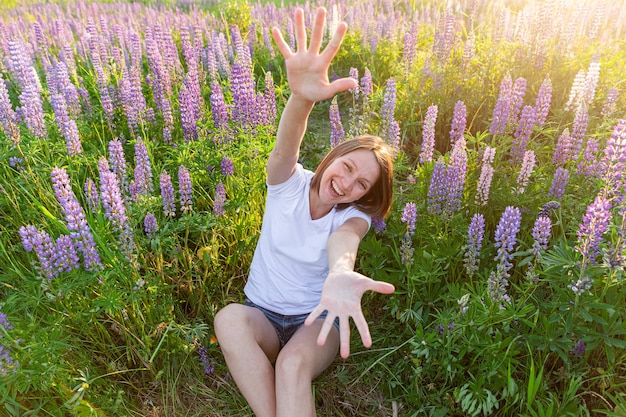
316 208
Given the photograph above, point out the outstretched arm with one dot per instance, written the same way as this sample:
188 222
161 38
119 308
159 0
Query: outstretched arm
343 289
307 74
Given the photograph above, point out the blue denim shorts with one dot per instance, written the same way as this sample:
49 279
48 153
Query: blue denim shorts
286 325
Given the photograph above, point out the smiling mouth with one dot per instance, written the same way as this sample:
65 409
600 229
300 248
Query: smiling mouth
336 189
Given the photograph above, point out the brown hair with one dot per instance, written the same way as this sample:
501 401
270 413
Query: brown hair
377 201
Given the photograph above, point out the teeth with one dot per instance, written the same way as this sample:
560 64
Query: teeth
332 183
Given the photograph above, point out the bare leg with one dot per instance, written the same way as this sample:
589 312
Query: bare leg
250 345
298 363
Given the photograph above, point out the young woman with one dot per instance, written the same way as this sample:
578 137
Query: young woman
302 288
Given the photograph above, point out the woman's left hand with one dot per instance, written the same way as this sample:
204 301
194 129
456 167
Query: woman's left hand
341 297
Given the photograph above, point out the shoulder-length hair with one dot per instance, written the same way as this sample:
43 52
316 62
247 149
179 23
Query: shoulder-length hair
377 201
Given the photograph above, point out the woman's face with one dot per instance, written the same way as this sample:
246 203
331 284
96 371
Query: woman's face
349 177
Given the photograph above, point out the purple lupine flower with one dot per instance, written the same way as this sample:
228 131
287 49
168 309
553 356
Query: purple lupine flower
581 286
66 258
469 49
541 235
406 250
184 189
379 225
114 209
167 194
227 166
367 86
610 102
517 99
590 232
522 133
589 165
437 189
354 73
150 225
458 122
542 104
484 184
67 126
409 50
218 107
387 112
428 134
208 364
7 362
91 194
117 163
187 105
475 234
455 178
337 134
559 183
143 170
270 98
563 149
8 117
614 160
219 200
41 243
502 107
579 349
528 165
242 89
505 240
75 218
409 216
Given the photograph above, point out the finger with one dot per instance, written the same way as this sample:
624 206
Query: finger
344 337
342 84
326 328
318 31
335 42
283 47
300 30
381 287
363 329
313 315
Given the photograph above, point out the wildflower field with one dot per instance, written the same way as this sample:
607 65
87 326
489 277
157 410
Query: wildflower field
133 141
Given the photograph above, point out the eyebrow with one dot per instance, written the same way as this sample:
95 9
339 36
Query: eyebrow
357 167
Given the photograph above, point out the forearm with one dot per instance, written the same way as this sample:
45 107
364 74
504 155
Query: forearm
342 248
291 130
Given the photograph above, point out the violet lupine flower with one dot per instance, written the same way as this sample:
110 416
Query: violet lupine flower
614 160
528 165
184 189
559 183
227 166
242 89
187 105
354 73
541 235
428 134
270 99
409 50
581 286
610 102
469 49
379 224
437 189
455 178
458 122
337 133
475 235
143 170
75 218
218 107
219 200
590 232
41 242
517 99
117 163
542 104
7 362
8 117
406 250
563 149
409 216
387 112
67 126
505 240
522 133
91 194
367 85
579 349
484 184
150 225
502 107
114 209
66 258
167 194
207 363
589 165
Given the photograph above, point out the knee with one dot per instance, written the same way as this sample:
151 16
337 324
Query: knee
291 364
226 321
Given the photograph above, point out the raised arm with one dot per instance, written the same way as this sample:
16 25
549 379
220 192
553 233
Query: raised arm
344 288
307 74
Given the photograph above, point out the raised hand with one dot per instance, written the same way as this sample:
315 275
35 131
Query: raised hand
307 68
341 297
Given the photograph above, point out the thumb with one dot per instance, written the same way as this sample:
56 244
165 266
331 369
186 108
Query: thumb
381 287
343 84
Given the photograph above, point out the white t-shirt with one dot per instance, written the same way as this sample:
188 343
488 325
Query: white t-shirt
290 263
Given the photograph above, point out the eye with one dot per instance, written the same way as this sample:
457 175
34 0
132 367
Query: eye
363 185
347 167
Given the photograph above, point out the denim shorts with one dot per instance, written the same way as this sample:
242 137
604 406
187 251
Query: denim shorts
286 325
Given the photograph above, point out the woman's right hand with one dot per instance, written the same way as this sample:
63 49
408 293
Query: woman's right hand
307 68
